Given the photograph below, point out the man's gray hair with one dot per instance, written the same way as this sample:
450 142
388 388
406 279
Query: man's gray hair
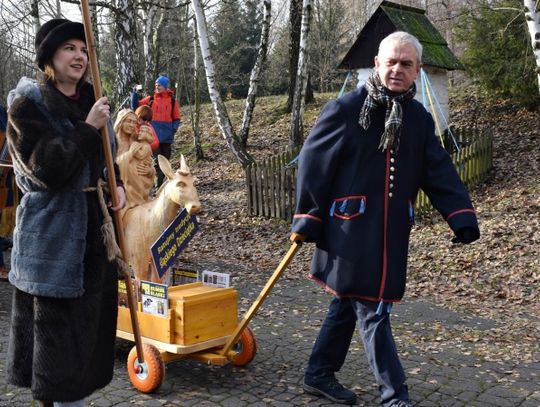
404 38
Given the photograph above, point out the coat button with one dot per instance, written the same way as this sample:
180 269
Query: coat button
391 177
390 194
392 169
392 160
391 186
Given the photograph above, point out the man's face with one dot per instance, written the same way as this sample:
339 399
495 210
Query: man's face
159 88
397 65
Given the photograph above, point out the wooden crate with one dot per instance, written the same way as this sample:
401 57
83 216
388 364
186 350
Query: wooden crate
197 313
202 312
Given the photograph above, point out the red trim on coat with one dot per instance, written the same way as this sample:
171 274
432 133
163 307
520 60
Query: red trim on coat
354 296
362 198
347 217
305 215
459 211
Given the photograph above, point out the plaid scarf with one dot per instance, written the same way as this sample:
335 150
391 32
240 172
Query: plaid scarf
378 95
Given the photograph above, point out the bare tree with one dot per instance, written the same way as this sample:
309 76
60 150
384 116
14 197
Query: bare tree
532 15
124 13
256 73
220 110
296 129
195 116
148 14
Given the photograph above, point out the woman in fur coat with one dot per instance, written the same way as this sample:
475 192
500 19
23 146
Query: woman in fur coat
64 308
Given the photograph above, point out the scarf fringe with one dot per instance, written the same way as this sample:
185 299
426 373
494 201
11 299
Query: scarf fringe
378 95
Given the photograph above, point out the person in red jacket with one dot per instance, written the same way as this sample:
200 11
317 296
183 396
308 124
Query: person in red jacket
165 116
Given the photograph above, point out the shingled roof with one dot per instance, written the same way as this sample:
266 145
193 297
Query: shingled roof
390 17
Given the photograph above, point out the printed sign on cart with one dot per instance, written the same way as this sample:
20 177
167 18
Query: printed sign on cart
154 298
173 241
215 279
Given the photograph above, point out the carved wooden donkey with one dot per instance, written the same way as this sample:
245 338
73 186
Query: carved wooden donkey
145 222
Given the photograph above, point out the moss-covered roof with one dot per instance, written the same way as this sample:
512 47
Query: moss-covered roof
415 22
390 17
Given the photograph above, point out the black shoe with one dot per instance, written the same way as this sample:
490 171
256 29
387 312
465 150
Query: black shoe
332 390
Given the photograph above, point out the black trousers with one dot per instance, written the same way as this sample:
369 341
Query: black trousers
165 149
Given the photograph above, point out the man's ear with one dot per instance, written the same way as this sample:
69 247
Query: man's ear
376 61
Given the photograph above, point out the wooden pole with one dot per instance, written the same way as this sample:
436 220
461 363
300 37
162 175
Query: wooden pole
111 177
297 240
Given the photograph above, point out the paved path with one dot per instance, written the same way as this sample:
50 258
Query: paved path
285 328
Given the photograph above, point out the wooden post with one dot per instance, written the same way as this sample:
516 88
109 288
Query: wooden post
111 178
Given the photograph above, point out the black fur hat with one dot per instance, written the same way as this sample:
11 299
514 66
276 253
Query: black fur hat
54 33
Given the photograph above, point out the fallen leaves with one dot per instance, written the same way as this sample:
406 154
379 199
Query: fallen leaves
497 277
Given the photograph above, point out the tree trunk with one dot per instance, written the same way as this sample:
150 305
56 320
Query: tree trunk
219 107
295 22
125 45
195 117
149 19
256 72
94 21
34 12
297 126
532 15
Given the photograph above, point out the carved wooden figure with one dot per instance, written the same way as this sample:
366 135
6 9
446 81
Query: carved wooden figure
134 158
145 222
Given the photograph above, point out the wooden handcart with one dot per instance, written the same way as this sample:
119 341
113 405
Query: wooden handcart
201 324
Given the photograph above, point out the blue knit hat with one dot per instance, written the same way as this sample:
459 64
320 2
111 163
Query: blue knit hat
163 81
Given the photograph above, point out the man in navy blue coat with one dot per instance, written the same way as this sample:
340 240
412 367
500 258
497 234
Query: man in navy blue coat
359 173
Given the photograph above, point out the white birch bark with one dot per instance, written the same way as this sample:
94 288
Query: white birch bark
256 72
297 115
532 15
125 45
149 17
34 12
195 116
219 107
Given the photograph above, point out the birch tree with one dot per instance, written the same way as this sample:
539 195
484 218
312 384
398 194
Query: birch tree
532 15
124 14
296 129
295 27
219 107
195 115
148 16
256 73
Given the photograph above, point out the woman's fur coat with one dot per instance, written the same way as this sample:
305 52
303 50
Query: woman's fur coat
62 348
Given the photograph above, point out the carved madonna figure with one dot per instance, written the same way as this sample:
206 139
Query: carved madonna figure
134 158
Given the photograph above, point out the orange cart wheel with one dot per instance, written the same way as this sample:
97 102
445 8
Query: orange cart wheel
245 348
147 376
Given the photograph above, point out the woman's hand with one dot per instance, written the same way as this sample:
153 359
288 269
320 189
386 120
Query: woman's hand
121 194
99 114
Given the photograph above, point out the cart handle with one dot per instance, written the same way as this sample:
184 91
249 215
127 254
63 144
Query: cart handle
297 240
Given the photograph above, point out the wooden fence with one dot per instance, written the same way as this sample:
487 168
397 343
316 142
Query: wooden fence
271 186
271 183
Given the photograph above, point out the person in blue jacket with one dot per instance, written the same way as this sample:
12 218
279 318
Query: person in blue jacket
359 173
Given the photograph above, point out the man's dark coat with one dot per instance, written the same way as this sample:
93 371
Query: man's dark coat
356 201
